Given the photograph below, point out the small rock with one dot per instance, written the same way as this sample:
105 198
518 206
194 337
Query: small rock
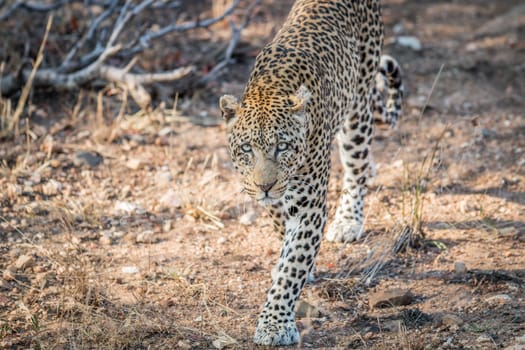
471 47
127 208
219 344
170 199
223 341
451 320
392 325
409 41
486 133
304 309
39 269
460 267
117 234
166 131
137 139
398 163
389 298
448 344
163 178
91 159
130 238
133 164
8 275
498 299
166 226
248 218
52 188
105 240
183 345
130 269
146 237
467 206
83 134
23 262
36 178
484 338
398 28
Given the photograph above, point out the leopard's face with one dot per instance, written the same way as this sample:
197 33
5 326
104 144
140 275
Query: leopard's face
266 155
267 143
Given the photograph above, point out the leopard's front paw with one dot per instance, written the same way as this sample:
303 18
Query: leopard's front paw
271 333
343 232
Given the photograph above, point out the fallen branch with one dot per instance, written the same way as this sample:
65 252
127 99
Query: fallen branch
134 82
116 74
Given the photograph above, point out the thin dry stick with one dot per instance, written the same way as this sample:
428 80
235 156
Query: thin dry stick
427 101
27 88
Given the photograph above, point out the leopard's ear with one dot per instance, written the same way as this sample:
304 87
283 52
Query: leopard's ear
229 106
299 100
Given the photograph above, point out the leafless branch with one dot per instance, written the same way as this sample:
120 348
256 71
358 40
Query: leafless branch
144 40
112 39
51 77
234 41
89 35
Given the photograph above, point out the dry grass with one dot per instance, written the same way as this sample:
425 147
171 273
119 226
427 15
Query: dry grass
71 299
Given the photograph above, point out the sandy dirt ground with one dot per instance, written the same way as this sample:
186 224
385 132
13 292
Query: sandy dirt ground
147 242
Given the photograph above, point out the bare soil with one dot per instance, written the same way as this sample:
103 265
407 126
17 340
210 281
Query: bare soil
132 232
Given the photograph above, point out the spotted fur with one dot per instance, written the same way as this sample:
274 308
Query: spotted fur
317 80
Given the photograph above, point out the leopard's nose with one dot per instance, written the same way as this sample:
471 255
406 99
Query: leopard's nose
267 186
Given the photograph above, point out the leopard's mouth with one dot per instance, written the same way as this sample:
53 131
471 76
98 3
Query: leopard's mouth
267 199
270 197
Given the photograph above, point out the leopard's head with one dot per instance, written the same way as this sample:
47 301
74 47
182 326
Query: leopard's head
267 139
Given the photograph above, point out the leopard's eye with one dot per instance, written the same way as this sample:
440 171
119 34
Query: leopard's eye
246 148
282 146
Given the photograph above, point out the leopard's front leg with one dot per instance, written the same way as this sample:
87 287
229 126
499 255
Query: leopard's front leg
304 223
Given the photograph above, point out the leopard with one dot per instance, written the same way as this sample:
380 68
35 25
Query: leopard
322 77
